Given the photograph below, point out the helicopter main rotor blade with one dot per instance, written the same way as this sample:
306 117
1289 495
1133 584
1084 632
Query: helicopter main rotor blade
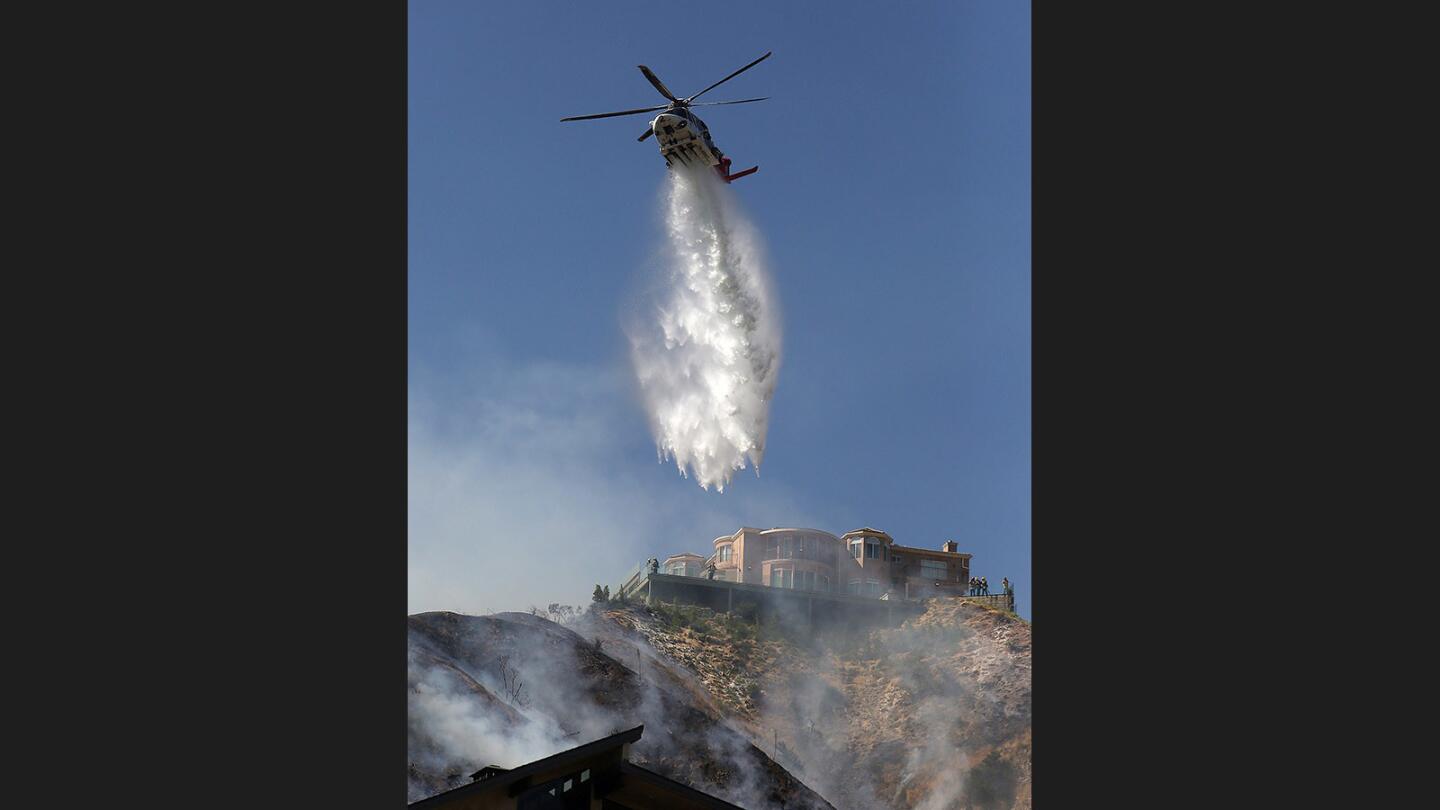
613 114
648 133
741 101
659 85
728 78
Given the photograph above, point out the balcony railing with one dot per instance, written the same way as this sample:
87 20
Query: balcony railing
632 578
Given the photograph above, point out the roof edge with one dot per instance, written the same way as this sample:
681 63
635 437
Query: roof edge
514 775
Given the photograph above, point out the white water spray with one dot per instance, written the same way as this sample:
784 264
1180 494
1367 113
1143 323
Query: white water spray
708 359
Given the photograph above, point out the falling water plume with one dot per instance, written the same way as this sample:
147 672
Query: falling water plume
707 359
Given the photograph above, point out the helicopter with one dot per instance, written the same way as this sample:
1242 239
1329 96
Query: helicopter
682 136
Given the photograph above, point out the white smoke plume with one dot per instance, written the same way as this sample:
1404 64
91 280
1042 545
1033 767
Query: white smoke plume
708 357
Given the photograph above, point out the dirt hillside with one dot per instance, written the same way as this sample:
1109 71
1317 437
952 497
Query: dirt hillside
932 714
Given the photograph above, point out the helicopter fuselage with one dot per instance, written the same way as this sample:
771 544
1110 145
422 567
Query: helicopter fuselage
684 139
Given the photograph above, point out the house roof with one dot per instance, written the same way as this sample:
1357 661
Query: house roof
639 787
796 529
497 781
930 552
868 530
487 772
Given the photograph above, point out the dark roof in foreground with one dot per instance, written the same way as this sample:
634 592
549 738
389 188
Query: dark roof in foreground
500 780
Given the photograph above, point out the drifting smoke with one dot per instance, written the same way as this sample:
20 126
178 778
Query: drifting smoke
509 688
708 360
931 715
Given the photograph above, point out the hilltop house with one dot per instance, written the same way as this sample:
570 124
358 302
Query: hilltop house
864 562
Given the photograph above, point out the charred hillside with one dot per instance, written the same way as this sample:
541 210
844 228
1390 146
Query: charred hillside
510 688
932 714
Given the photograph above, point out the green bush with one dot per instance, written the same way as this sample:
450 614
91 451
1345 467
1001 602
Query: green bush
737 627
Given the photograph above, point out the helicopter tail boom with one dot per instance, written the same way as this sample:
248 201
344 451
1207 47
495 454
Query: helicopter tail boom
729 178
723 167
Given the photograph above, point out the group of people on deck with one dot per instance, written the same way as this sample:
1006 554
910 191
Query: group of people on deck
979 587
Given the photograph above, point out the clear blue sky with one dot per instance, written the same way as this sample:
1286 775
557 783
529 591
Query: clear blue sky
894 199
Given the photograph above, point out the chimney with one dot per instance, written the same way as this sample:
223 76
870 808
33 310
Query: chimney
950 546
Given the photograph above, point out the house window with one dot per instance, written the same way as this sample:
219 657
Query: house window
853 587
934 569
855 548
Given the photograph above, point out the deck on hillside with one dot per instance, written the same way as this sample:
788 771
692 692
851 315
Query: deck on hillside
722 595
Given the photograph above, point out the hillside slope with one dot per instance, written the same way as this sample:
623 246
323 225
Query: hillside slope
932 714
509 688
